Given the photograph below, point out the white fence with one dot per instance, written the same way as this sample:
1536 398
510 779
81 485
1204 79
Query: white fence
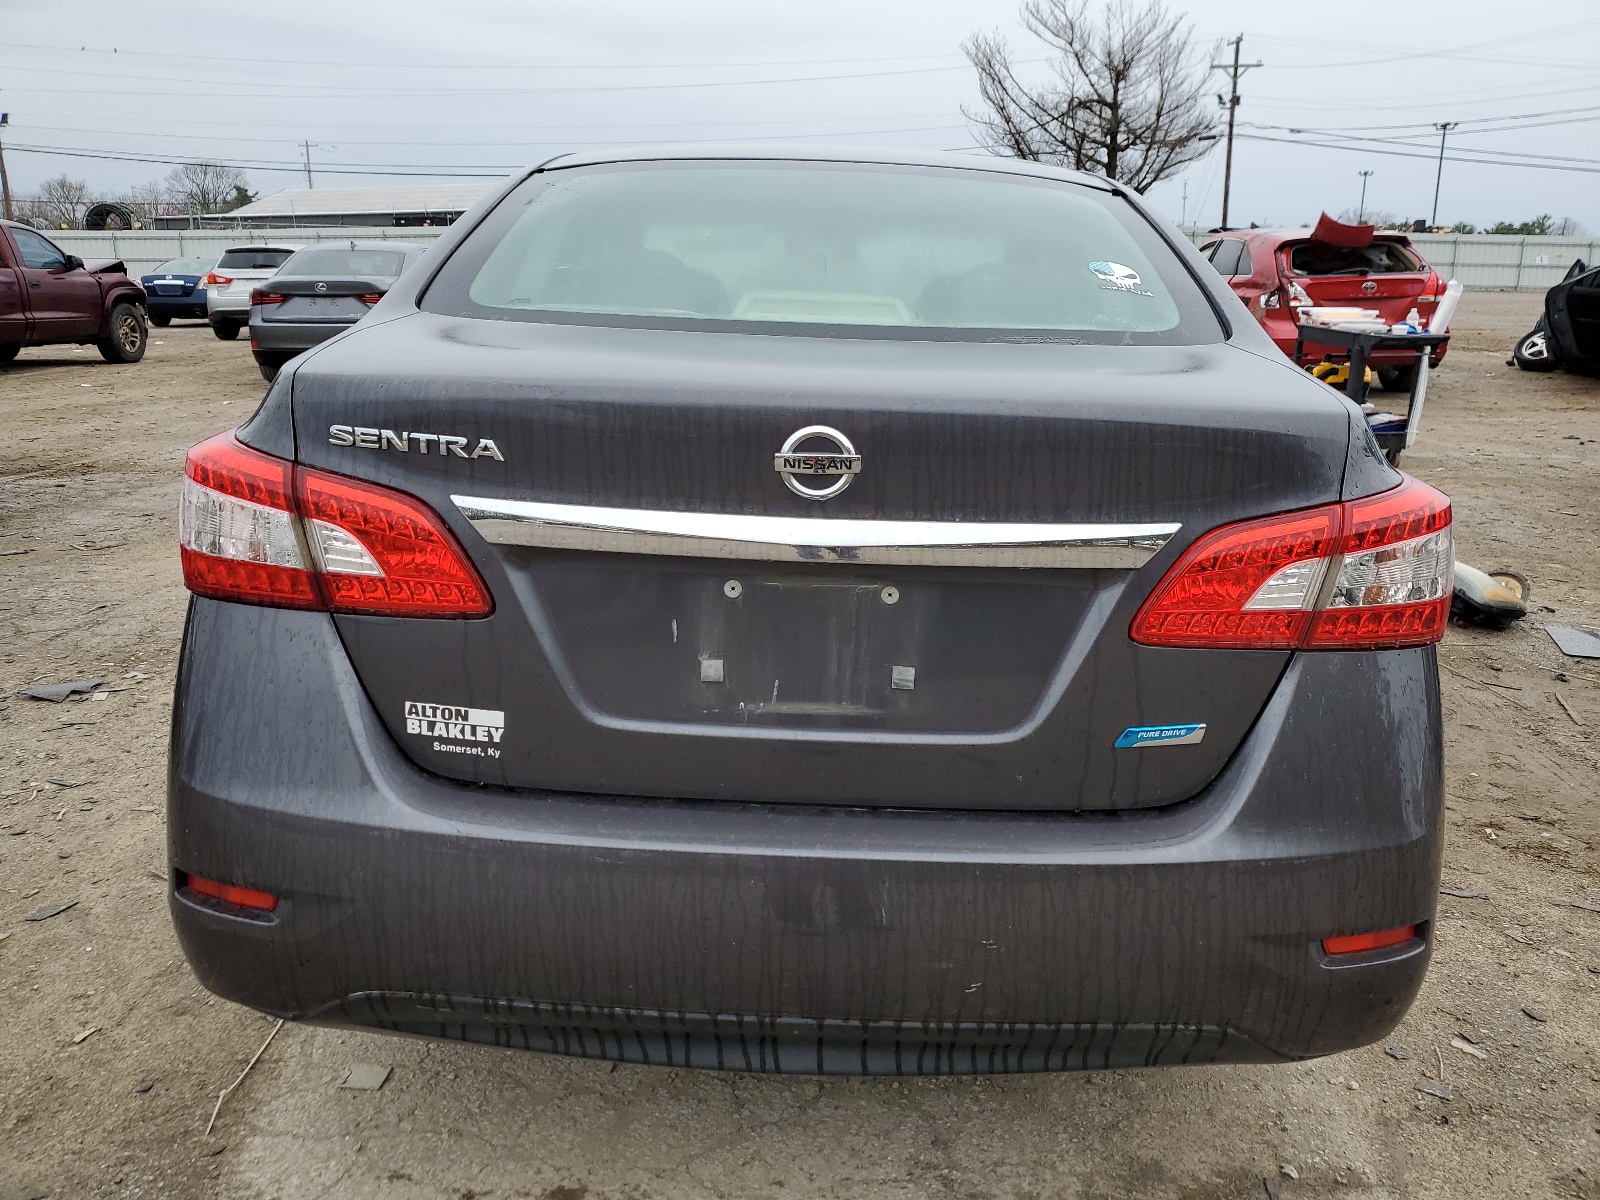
1483 262
145 249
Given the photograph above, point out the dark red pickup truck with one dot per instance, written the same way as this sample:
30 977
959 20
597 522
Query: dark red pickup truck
48 297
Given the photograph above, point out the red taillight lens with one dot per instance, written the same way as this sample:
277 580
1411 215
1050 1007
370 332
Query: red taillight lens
383 552
231 893
371 298
1357 942
215 280
236 527
1261 584
257 296
246 519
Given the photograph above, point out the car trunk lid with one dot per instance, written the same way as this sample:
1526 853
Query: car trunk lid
731 660
314 301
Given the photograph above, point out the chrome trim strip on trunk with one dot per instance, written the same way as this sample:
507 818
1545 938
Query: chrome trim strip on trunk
812 539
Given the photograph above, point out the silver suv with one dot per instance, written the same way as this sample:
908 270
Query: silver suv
228 285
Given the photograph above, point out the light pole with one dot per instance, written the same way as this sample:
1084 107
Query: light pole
5 181
1444 128
1231 103
1361 213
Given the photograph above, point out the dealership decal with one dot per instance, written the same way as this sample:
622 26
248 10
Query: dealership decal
1114 277
457 730
1160 735
364 437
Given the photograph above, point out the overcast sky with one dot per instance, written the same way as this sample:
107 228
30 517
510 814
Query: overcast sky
476 86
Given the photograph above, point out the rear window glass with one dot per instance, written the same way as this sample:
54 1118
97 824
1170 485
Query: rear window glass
255 260
331 263
1380 258
184 266
825 248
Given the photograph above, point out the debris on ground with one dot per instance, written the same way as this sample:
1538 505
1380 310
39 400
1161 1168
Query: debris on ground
1396 1053
84 1036
143 1086
365 1077
1288 1171
1436 1089
1463 894
1467 1047
1534 1015
57 692
1574 643
1493 599
223 1094
1583 904
50 910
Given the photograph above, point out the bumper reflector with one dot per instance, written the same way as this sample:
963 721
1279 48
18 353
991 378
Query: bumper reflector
230 893
1357 942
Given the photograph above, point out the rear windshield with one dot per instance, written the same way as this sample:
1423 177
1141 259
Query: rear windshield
248 259
825 249
184 266
335 263
1380 258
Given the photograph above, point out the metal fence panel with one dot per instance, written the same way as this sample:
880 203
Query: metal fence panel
143 250
1482 262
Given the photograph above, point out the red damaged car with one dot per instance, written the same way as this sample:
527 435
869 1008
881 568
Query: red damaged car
1277 272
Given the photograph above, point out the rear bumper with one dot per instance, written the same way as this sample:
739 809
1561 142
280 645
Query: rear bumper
288 338
802 939
176 306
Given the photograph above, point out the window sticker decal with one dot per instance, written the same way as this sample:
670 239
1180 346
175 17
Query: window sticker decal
1114 277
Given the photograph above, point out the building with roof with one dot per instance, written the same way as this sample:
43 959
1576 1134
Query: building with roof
368 207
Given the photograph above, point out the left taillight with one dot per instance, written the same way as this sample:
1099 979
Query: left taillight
259 530
1367 574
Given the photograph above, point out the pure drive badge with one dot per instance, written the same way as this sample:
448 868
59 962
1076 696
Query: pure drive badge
457 730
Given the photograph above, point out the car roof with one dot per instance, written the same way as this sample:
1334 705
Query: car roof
359 244
777 152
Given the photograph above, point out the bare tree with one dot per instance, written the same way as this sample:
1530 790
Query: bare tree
203 187
60 202
1125 100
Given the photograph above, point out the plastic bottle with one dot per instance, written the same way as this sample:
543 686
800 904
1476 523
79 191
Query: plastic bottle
1413 321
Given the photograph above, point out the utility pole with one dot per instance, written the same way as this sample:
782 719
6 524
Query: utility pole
1361 214
1232 105
1183 221
5 180
1444 128
309 183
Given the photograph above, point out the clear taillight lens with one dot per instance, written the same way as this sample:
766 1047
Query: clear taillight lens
1264 584
246 519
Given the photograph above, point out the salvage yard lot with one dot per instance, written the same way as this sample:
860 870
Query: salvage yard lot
99 1003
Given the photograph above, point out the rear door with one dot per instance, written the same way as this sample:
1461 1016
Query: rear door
13 310
1386 276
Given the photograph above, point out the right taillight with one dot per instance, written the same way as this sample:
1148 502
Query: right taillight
260 530
1366 574
261 296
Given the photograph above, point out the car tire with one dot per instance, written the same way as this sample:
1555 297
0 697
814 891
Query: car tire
226 330
1535 351
128 337
9 351
269 370
160 322
1398 379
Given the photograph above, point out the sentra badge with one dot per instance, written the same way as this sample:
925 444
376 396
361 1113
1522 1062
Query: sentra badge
795 460
363 437
456 729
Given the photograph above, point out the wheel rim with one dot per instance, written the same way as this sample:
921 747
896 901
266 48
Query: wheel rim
128 333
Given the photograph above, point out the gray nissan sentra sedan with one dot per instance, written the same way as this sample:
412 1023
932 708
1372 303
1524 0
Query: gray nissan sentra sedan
834 614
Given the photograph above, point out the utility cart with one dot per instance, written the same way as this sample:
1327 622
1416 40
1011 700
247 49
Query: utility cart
1392 435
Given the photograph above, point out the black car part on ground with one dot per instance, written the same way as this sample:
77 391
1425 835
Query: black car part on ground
1568 334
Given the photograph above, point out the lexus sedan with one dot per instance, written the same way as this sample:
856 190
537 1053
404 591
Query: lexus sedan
873 613
175 290
318 292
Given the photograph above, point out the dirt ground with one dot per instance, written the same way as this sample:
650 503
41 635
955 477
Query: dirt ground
112 1057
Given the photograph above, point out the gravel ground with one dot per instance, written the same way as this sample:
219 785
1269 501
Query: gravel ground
112 1056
